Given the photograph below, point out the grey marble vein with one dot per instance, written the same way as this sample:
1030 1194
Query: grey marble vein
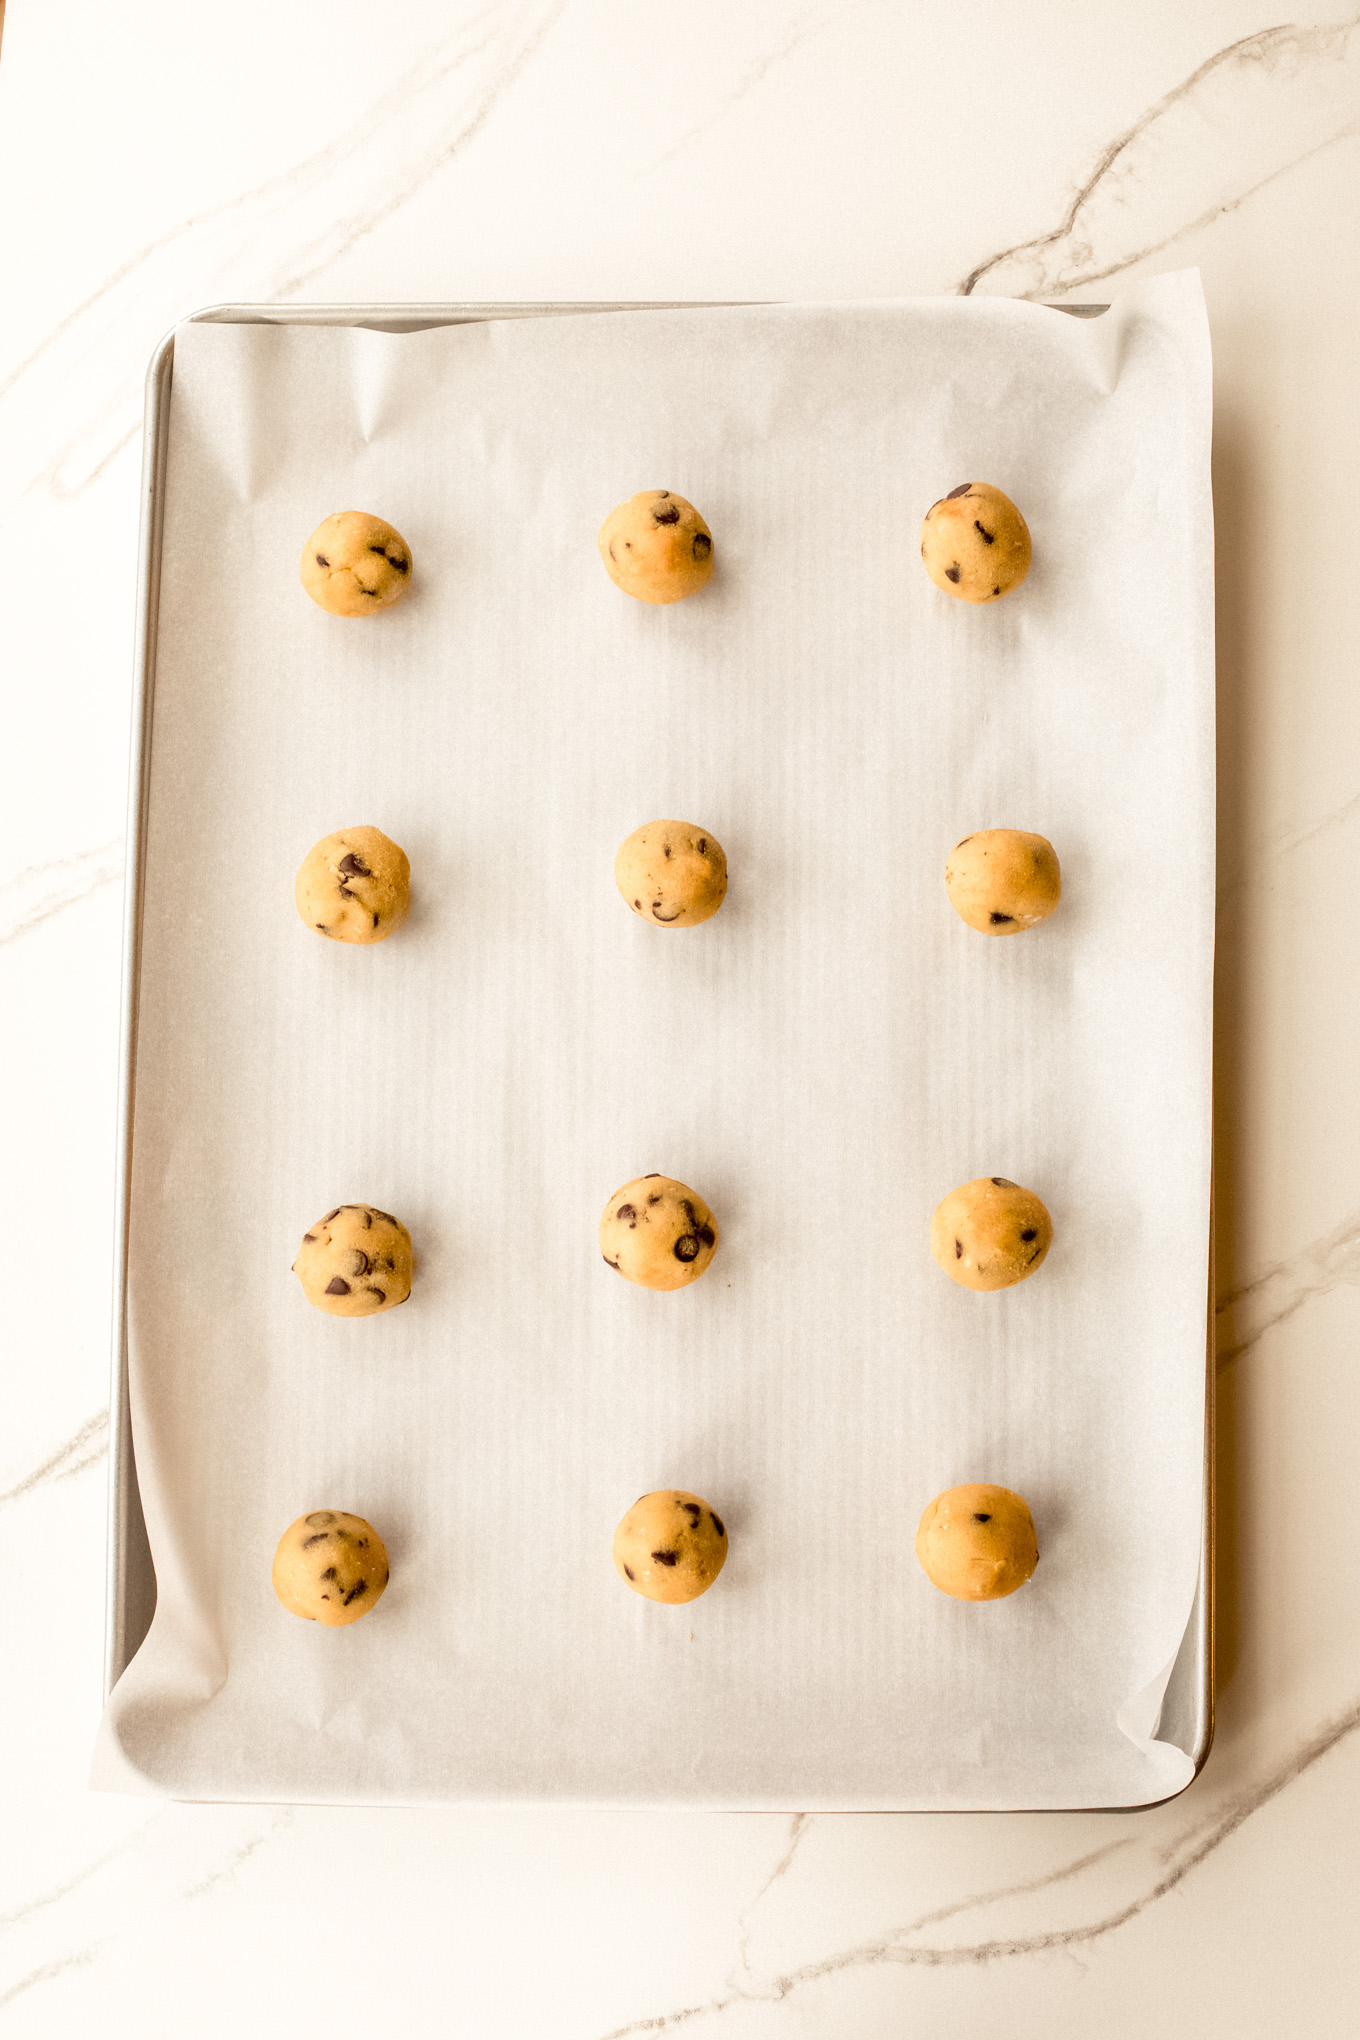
50 1970
1247 1314
798 1827
85 1449
1283 846
37 893
1180 1858
262 244
60 1891
249 1848
1247 115
801 29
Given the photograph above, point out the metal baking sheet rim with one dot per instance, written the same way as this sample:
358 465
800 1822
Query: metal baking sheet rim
1187 1713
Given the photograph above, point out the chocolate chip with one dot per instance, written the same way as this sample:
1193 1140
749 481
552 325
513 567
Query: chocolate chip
706 1234
337 1286
321 925
345 893
657 914
359 1263
381 1294
320 1538
628 1211
959 845
1030 1233
717 1524
996 591
670 515
962 490
692 1510
629 1573
651 1175
331 1214
997 920
386 1218
666 1557
375 920
687 1206
367 1211
390 1263
703 845
653 1196
359 1587
396 560
703 545
321 1517
321 560
978 1518
351 866
611 1264
958 1250
638 905
612 554
686 1248
666 850
990 536
308 1236
1005 1183
952 573
330 1573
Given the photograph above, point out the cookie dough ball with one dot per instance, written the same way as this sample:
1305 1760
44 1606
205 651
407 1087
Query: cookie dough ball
355 1261
1003 881
356 564
990 1234
670 1546
354 886
672 873
977 1542
330 1567
656 546
658 1233
975 543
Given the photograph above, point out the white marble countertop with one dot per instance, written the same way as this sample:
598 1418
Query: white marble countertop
157 158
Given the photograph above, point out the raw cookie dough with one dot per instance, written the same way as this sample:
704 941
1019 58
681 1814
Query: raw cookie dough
656 546
355 1261
354 886
330 1567
355 564
990 1233
977 1542
975 543
670 1546
672 873
1003 881
657 1233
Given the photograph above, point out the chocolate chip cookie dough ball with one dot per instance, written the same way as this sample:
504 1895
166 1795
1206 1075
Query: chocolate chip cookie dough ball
975 543
355 1261
354 886
330 1567
977 1542
990 1234
656 546
355 564
658 1233
670 1546
1003 881
672 873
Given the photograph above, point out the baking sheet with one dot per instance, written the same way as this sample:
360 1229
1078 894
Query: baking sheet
839 1053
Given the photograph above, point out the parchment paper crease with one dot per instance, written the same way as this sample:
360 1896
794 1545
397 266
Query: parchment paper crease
823 1061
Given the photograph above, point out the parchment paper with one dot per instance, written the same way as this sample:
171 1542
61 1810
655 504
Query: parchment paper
823 1061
